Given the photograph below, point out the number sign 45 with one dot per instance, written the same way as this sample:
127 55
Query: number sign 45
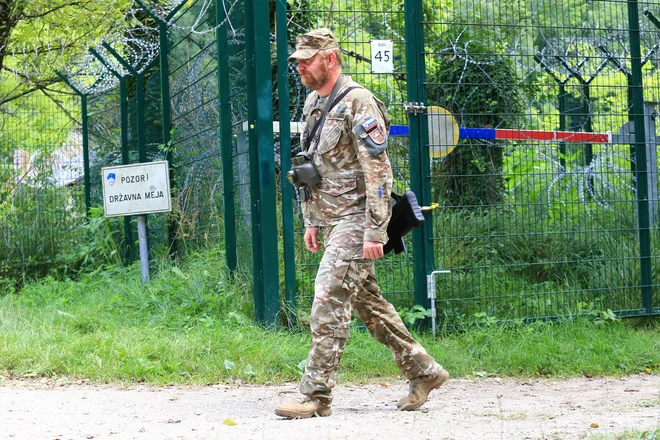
382 56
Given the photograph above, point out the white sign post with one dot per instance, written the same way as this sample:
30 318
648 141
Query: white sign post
137 189
382 56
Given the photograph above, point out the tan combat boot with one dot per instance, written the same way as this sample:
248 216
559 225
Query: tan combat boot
419 391
304 410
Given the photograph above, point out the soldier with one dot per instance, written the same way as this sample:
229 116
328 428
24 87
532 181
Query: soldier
344 178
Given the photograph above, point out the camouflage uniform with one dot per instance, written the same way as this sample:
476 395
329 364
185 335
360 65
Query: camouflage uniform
351 205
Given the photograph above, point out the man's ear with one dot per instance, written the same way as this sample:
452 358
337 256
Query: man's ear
332 59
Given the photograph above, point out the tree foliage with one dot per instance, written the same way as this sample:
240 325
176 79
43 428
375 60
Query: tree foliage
39 36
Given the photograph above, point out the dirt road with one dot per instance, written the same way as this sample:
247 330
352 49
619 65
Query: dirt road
462 409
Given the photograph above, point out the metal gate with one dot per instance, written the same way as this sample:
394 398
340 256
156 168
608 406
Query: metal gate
530 131
547 202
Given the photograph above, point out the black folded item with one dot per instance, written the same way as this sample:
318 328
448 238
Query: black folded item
406 216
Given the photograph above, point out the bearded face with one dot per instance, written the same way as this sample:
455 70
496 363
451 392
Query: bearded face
316 74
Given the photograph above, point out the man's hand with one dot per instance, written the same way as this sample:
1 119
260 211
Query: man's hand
311 239
372 250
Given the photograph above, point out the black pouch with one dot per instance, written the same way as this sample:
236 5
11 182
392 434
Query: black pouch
406 216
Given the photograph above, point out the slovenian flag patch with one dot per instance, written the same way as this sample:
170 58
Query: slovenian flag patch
373 130
370 124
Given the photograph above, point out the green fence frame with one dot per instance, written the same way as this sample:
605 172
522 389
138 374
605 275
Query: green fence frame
262 165
247 86
637 116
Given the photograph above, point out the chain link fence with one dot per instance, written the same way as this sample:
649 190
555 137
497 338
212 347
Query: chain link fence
41 172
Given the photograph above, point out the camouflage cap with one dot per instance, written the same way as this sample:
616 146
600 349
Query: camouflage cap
309 44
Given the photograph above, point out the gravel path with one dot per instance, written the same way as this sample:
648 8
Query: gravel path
462 409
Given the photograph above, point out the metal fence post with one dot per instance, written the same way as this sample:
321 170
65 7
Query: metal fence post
139 97
85 139
637 93
125 159
651 160
172 225
85 146
419 154
225 136
123 114
262 162
285 158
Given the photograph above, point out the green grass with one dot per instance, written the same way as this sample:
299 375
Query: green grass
634 434
192 325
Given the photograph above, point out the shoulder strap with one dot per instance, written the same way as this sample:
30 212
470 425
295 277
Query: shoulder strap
332 101
342 95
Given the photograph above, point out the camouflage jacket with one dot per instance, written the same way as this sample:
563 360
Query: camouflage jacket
351 158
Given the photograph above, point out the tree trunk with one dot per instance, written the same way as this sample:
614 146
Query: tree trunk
10 11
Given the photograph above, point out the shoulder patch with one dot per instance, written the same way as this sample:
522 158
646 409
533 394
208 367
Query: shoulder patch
370 124
373 130
377 136
372 135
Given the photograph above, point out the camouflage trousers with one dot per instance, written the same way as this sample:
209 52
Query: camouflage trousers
345 283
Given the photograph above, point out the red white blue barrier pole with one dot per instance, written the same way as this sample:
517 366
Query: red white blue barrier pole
521 135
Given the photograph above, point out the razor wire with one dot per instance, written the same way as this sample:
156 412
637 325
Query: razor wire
576 55
138 42
566 55
197 25
194 89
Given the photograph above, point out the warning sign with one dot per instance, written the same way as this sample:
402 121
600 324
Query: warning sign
136 189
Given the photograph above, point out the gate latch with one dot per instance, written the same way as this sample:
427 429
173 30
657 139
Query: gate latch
414 107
